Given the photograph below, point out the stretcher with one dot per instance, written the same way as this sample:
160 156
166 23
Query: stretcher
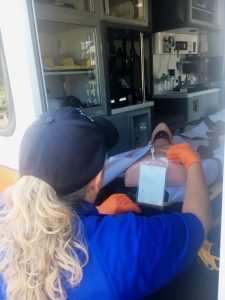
207 137
209 252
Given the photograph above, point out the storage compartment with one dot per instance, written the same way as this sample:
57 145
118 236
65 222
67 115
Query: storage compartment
174 14
202 15
177 109
127 53
126 9
140 128
81 5
205 11
202 105
134 129
68 53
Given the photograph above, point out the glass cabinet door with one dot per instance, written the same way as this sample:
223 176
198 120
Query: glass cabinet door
68 53
82 5
127 52
126 9
206 12
7 119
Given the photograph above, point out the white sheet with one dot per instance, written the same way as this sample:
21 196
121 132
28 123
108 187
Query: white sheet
219 116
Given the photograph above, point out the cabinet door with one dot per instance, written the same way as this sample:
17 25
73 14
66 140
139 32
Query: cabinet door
127 53
203 105
169 14
175 14
206 13
140 129
134 129
70 66
128 11
121 122
80 5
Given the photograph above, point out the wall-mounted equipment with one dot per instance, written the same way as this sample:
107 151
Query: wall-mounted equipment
175 43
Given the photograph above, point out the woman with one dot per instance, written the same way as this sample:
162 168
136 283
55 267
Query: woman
54 244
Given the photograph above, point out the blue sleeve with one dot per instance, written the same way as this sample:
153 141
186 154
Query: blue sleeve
143 254
2 289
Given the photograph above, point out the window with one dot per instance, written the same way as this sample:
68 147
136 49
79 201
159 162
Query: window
7 120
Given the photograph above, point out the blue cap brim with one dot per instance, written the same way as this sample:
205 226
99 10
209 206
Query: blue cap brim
111 135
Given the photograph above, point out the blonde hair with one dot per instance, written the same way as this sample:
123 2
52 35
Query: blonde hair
41 242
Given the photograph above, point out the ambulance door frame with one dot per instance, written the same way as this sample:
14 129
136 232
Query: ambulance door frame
29 95
21 56
221 285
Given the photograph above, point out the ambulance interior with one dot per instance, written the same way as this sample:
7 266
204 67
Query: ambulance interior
159 83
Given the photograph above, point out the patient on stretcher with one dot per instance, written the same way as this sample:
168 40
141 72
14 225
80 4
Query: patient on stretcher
197 136
161 140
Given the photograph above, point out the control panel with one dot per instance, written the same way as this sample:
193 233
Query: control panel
175 43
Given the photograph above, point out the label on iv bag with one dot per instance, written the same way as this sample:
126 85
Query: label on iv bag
151 185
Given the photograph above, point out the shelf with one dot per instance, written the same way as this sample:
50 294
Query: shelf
118 2
132 107
121 2
69 72
203 10
181 95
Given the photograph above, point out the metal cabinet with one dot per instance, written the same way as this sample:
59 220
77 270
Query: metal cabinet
202 105
206 13
127 68
134 128
192 13
69 52
72 63
69 40
178 109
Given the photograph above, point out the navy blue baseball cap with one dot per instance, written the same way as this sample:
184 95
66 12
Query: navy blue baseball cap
66 148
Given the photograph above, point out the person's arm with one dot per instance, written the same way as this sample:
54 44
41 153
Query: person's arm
118 203
196 197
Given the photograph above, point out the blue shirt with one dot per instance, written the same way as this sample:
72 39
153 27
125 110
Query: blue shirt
133 256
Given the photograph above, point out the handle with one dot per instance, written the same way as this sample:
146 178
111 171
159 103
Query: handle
106 2
142 66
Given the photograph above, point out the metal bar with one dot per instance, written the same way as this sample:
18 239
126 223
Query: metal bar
142 67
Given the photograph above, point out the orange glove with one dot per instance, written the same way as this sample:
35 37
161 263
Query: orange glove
182 153
117 204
